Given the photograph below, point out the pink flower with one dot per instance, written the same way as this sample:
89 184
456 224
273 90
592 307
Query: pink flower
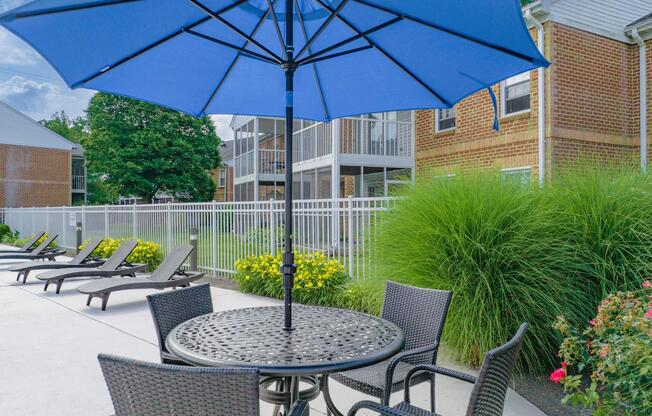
558 375
604 351
647 284
648 314
593 322
564 364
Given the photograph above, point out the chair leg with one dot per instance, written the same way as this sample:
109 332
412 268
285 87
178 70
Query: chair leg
105 299
331 409
432 393
18 277
59 283
47 283
88 301
25 273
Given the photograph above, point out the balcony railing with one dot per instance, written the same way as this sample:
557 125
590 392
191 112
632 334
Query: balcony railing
244 164
78 183
365 136
312 142
271 162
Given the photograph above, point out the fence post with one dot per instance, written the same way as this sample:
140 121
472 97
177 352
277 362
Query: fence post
47 218
350 232
63 225
33 217
272 228
134 222
214 235
78 239
83 218
168 226
106 220
193 242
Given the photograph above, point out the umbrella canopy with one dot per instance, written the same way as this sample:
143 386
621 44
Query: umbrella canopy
336 57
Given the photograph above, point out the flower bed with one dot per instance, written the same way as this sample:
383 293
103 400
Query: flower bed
146 252
614 353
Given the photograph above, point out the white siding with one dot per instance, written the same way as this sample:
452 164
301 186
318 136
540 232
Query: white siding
18 129
604 17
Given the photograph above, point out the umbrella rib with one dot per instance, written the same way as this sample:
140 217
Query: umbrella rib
228 24
349 40
270 4
391 58
321 29
77 7
335 55
242 50
153 45
230 68
314 67
449 31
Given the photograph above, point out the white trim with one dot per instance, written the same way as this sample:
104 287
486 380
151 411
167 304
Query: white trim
517 169
503 85
440 130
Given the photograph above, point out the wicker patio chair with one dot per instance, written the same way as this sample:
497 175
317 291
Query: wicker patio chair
421 314
489 390
140 388
169 309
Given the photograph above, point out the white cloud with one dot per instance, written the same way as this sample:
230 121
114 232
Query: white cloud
14 52
221 122
28 95
42 99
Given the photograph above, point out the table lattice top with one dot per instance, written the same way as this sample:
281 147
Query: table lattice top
323 340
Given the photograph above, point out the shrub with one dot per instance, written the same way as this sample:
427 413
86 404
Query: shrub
317 280
146 252
605 215
493 243
4 229
615 352
19 242
364 295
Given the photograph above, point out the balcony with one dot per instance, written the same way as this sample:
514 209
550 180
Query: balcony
271 166
78 183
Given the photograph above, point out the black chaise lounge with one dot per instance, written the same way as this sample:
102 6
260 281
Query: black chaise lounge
42 252
28 246
116 265
83 259
168 274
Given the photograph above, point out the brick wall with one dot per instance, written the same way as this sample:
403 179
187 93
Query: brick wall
31 176
474 144
223 193
591 112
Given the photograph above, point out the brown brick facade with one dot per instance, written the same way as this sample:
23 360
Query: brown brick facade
31 176
224 193
592 109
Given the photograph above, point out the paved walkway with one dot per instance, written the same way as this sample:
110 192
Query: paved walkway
49 345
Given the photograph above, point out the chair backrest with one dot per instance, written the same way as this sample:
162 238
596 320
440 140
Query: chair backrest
44 245
139 388
86 251
37 235
172 263
119 255
488 395
420 313
169 309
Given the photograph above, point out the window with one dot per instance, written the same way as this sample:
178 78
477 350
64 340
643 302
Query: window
221 178
515 94
518 176
445 119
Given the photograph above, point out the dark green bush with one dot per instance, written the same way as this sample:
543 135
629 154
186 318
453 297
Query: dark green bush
4 230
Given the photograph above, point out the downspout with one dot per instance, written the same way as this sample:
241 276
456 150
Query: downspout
643 99
542 100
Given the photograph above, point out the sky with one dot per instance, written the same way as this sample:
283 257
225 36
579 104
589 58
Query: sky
30 85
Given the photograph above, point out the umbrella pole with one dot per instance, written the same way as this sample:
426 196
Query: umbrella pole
288 268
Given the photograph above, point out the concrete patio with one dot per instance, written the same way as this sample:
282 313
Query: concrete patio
49 347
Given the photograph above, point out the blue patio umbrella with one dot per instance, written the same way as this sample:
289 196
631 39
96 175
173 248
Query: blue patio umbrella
336 58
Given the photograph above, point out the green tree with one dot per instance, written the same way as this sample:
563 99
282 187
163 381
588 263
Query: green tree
73 129
143 149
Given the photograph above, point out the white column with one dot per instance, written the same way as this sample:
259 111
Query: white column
256 159
335 183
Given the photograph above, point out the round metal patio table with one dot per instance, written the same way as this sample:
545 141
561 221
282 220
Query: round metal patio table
323 341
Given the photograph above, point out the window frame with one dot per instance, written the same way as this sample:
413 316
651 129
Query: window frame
439 129
507 172
503 96
221 178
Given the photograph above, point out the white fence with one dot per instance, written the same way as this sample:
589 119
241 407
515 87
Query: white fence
343 229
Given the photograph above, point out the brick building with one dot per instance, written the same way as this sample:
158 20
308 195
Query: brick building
36 164
594 105
223 175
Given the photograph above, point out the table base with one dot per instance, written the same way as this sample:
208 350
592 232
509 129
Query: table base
282 392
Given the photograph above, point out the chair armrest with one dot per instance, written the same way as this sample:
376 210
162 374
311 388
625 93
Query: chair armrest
299 409
393 362
381 409
435 370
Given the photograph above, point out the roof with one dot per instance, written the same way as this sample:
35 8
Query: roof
20 130
642 24
608 18
226 151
